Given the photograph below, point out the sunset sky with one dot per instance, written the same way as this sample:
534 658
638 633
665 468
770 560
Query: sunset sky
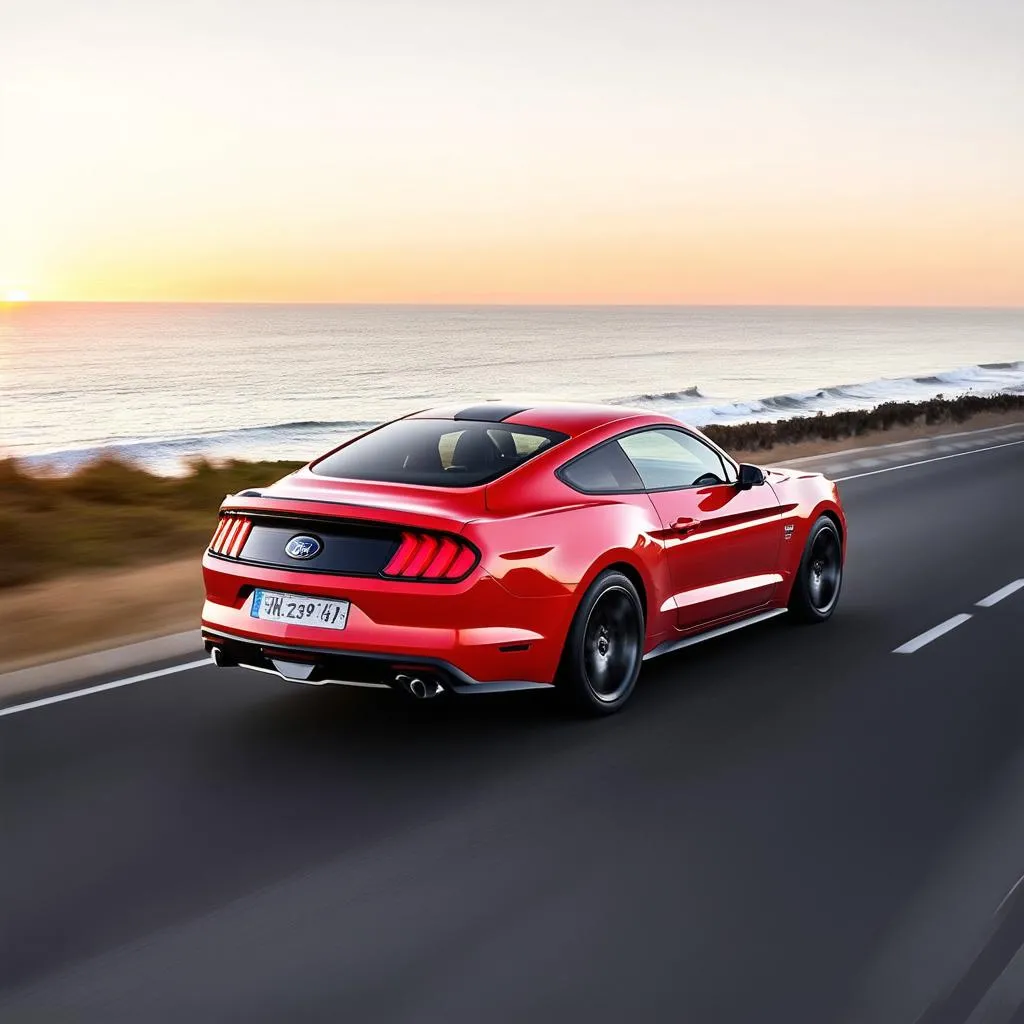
864 151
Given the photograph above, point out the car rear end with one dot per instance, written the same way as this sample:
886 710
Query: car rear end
373 583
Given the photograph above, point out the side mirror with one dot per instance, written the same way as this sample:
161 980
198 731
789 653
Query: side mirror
750 476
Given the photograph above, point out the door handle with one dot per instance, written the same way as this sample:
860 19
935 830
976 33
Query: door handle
684 525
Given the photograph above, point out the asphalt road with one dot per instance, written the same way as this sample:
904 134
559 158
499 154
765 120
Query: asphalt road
787 824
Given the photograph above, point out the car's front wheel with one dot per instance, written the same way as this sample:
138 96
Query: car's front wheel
816 588
604 649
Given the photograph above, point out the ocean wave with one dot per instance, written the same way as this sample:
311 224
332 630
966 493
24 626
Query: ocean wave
664 396
982 379
299 440
277 428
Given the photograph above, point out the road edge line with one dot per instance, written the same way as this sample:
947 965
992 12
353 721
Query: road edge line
925 462
113 685
49 675
928 439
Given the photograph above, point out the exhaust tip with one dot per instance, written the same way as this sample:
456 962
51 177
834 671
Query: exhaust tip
217 656
421 689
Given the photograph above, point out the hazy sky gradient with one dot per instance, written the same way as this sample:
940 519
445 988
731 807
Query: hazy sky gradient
735 151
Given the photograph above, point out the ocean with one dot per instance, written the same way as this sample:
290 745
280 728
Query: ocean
157 383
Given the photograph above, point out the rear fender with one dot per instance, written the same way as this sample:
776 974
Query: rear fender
551 553
630 559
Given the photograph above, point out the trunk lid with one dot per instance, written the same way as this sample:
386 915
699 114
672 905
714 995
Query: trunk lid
353 527
408 504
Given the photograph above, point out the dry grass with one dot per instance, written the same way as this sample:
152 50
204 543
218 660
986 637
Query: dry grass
111 514
90 611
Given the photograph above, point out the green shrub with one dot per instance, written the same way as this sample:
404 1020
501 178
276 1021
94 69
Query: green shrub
840 425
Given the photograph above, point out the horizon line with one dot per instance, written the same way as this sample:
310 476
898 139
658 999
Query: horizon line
21 303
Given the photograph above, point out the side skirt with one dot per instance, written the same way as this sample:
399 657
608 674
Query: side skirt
667 646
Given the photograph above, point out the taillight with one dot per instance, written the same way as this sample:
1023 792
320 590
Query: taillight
230 536
427 556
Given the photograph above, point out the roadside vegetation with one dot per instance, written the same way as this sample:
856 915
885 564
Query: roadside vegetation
111 514
838 426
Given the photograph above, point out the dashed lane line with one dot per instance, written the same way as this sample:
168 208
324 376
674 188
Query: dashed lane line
958 620
998 595
934 633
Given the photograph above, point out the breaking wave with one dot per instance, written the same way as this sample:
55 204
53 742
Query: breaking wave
668 396
299 440
693 406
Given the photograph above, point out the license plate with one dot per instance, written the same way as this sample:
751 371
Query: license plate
310 611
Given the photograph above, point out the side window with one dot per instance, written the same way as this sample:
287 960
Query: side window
667 459
604 469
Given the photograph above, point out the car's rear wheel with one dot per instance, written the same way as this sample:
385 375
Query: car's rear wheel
604 649
820 576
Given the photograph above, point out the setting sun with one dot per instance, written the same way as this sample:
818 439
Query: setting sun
15 295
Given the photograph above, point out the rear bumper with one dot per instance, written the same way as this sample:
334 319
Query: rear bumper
326 665
473 634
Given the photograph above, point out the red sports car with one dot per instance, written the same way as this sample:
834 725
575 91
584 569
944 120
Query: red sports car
511 547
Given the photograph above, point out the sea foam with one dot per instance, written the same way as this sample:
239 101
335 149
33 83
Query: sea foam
304 439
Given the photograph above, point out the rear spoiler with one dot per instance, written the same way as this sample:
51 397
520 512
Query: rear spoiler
418 515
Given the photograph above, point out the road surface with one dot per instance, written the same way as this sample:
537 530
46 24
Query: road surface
786 824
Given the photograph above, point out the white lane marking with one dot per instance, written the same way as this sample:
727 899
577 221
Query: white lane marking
997 596
1013 889
932 634
103 686
924 462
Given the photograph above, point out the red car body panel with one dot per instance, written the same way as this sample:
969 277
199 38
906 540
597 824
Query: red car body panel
700 556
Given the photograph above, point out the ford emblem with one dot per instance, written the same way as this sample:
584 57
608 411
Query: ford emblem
303 547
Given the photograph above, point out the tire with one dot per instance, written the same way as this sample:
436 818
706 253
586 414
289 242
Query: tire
820 576
604 648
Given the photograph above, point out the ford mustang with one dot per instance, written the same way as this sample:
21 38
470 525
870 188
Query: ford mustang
512 547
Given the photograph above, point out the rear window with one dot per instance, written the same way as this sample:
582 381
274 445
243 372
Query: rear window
437 453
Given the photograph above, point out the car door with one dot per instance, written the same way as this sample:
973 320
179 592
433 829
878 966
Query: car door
721 542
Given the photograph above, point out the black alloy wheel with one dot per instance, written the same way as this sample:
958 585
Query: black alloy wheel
604 649
820 576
